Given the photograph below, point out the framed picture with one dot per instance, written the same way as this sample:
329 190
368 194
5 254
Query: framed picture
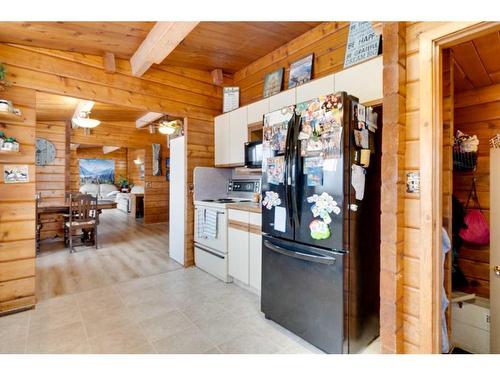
231 98
273 82
15 174
300 71
97 171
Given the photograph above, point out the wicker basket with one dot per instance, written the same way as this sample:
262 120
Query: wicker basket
464 161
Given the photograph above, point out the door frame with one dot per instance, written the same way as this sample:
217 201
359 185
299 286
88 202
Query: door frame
431 44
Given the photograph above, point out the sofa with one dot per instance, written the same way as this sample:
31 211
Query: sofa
111 192
101 191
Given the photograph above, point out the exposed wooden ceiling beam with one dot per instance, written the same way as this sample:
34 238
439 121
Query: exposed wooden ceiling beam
147 119
161 40
109 149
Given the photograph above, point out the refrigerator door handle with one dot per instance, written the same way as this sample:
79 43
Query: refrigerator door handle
307 257
287 171
295 168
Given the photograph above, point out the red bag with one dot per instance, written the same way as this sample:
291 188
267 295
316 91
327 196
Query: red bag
477 231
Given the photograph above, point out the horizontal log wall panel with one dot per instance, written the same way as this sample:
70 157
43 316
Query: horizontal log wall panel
17 213
10 251
44 72
52 192
156 190
17 269
327 41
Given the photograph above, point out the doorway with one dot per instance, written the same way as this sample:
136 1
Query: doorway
435 143
114 163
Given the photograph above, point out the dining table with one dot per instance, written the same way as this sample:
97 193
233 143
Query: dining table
63 208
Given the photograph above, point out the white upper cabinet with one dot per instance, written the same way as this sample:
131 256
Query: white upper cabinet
363 81
221 136
282 99
257 110
238 135
315 88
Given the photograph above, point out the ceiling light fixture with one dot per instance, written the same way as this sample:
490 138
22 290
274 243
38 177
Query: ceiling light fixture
83 120
168 127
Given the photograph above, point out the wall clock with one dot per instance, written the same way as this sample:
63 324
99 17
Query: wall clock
45 152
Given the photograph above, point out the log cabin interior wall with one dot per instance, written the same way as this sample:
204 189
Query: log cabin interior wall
181 92
328 43
477 111
52 180
134 170
17 213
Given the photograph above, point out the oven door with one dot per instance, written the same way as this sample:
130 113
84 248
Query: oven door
219 243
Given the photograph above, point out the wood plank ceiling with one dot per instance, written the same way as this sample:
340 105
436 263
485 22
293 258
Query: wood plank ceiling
477 62
229 46
119 38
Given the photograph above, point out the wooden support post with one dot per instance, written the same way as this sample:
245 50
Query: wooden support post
393 189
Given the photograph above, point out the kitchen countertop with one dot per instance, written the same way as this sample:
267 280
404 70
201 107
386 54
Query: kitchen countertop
246 206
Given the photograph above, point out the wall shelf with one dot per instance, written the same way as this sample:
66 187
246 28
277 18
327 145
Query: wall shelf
9 151
10 117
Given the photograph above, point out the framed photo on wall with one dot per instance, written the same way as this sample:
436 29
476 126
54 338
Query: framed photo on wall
273 82
300 71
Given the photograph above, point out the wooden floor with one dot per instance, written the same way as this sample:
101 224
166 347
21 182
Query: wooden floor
127 250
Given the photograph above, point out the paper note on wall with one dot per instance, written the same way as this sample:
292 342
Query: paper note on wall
280 219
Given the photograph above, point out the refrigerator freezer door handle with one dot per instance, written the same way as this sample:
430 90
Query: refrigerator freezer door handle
307 257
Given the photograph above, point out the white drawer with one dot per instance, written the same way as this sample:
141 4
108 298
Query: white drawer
212 262
471 314
255 219
470 338
239 215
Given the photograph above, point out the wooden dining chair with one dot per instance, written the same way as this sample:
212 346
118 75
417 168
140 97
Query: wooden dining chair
38 229
82 216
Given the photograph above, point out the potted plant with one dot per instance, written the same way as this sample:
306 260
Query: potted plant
123 183
3 81
10 144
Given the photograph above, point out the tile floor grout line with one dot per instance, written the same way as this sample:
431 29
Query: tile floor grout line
83 323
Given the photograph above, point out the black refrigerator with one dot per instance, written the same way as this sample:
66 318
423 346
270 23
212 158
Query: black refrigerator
321 221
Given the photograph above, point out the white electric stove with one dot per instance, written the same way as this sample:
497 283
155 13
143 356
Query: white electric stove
211 254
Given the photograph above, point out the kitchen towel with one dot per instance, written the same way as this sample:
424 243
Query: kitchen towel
210 224
200 222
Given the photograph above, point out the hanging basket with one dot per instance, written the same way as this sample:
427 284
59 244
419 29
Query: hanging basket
464 161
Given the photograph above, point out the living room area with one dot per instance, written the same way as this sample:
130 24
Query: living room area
109 164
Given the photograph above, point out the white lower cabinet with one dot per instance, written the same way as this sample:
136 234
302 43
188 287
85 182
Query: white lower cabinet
255 260
238 254
245 248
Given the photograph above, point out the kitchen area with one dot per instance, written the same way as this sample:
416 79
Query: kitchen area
291 210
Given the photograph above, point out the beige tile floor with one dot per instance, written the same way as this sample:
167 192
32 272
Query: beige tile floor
181 311
159 307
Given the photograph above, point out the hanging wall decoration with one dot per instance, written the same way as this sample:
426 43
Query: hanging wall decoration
300 71
15 174
156 159
273 82
45 152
